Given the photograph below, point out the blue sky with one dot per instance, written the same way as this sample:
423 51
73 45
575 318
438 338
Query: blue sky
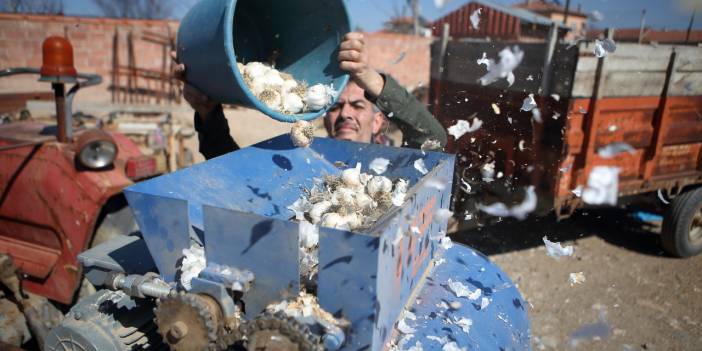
370 14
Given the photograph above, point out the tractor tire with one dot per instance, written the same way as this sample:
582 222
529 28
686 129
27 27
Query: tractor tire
681 234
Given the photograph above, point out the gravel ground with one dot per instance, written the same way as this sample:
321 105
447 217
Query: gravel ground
635 297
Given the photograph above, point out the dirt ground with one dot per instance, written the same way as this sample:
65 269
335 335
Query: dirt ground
635 297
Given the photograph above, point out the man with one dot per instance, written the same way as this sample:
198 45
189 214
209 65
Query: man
358 114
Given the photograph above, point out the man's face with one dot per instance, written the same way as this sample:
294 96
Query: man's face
352 117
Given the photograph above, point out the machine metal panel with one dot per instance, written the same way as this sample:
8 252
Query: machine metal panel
267 247
405 263
368 278
348 264
163 222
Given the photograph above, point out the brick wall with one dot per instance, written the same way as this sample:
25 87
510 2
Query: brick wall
21 37
413 54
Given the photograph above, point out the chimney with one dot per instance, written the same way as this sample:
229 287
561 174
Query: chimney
579 8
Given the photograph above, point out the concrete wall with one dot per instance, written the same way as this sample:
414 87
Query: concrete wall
405 57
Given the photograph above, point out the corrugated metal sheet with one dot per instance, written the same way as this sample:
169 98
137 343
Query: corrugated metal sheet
496 21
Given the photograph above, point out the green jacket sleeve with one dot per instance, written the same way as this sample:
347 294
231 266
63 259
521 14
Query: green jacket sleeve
411 116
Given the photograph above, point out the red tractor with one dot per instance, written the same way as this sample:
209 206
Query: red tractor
60 193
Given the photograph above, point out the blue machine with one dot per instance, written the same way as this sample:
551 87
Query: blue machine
236 206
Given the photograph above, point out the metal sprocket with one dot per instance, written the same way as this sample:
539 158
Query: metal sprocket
188 321
277 332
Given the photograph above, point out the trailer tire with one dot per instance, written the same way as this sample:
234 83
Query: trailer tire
681 234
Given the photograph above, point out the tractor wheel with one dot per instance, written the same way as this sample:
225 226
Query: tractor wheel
681 235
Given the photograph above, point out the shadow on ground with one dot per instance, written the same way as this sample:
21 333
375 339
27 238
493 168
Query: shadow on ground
616 226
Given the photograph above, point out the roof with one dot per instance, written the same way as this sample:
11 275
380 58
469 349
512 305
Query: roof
547 8
85 19
522 14
650 35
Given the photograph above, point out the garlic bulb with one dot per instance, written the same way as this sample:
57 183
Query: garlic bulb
273 80
288 85
335 220
343 197
319 96
365 177
379 184
271 98
302 133
365 202
352 176
352 220
292 103
255 69
318 210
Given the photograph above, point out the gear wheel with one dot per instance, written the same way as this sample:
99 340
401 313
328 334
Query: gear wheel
277 332
189 321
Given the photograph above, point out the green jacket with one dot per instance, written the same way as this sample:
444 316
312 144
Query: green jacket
411 116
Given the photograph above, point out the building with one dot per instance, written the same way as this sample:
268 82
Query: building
405 25
497 22
576 21
651 36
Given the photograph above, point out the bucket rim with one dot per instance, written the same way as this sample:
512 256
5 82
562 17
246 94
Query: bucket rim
231 56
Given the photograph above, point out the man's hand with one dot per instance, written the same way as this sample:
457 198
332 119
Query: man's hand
353 57
199 101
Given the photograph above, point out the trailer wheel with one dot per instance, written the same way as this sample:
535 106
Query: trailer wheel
681 234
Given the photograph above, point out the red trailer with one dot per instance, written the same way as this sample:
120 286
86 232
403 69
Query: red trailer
645 98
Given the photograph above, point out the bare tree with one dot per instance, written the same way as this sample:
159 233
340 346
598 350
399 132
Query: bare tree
33 6
149 9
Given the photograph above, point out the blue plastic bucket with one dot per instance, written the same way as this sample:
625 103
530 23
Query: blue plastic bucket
302 35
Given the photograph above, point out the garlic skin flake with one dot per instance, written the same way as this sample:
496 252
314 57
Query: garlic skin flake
379 165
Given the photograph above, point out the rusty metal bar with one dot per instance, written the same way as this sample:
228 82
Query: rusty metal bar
550 48
60 98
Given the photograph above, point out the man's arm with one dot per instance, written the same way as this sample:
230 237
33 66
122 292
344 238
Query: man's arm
213 133
210 122
411 116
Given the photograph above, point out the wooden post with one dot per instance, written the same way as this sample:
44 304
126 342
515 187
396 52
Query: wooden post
444 46
439 78
550 49
689 26
641 26
590 122
661 122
